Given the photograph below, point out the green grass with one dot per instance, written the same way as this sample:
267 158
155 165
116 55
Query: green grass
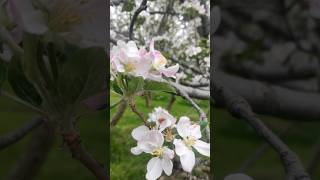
125 165
59 164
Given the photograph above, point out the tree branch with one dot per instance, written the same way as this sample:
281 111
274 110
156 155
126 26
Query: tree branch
143 6
35 154
121 109
78 152
15 136
239 107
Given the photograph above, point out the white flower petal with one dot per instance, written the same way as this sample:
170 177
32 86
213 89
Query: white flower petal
170 71
183 126
188 161
180 147
154 168
139 132
168 153
167 166
202 147
195 131
136 150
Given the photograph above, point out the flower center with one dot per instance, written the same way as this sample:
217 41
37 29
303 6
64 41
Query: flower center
64 16
158 152
160 120
189 141
129 67
169 136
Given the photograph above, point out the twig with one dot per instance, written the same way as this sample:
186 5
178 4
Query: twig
314 162
171 102
134 109
21 102
15 136
202 114
35 155
143 6
239 107
78 152
121 109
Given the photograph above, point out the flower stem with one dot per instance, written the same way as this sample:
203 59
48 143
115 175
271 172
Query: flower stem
21 102
134 109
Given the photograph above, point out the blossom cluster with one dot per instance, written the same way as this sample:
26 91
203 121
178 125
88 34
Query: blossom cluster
165 133
127 58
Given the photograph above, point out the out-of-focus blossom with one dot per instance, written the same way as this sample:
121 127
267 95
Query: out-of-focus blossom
79 22
183 147
192 51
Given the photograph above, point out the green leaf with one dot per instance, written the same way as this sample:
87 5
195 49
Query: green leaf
158 86
30 57
135 84
116 88
82 75
22 87
203 125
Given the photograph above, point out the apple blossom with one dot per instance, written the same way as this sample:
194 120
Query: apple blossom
159 63
191 134
79 22
151 142
162 118
127 58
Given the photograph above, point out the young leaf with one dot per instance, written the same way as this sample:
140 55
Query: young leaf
82 75
20 84
135 84
158 86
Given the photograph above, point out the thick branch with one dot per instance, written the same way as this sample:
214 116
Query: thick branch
35 155
121 109
15 136
143 6
274 100
78 152
239 107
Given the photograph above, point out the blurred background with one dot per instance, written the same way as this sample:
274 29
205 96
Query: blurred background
267 51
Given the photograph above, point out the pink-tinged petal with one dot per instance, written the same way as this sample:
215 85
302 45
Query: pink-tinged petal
139 132
154 168
188 161
183 126
151 48
202 147
167 166
142 52
180 147
143 67
132 49
168 153
27 17
136 150
195 131
170 71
